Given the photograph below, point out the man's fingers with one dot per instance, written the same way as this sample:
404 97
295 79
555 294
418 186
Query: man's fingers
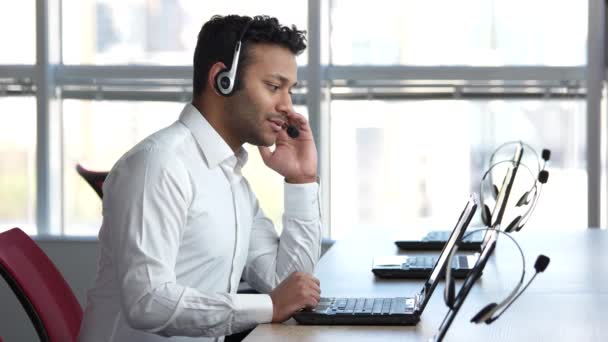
312 291
309 300
315 287
311 303
298 119
314 282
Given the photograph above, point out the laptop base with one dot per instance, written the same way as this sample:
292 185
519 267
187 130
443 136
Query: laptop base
436 239
361 311
422 274
316 319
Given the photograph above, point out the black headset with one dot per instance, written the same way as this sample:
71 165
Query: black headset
225 80
530 196
488 313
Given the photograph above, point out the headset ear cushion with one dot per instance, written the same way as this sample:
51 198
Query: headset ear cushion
486 215
495 190
513 224
222 82
483 312
523 200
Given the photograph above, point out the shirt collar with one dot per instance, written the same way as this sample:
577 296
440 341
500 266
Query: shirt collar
215 149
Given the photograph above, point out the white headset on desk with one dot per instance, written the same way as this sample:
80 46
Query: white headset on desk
529 198
486 314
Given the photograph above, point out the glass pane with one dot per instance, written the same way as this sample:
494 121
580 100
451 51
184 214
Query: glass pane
18 31
18 166
154 31
97 133
412 164
266 183
444 32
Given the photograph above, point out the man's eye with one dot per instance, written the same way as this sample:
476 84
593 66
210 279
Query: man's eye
273 87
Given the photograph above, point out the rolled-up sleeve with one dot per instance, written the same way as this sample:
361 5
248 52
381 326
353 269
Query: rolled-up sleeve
272 258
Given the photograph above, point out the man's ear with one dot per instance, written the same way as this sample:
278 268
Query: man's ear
213 72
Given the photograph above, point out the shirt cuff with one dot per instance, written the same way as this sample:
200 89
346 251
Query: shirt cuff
302 201
253 308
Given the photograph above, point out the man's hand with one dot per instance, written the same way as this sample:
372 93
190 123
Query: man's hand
294 159
300 290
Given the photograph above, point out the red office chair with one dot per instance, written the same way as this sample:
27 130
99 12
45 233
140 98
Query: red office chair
94 178
41 289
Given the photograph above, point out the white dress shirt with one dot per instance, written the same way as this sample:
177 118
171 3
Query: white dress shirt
181 225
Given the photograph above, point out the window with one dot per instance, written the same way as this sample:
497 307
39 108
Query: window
18 166
443 32
408 144
18 32
153 32
410 91
410 164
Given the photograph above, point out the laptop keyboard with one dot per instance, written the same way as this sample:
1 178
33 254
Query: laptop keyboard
460 261
366 306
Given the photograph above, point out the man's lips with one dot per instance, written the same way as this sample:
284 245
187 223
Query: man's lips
277 124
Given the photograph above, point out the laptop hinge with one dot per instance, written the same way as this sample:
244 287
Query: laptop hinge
419 299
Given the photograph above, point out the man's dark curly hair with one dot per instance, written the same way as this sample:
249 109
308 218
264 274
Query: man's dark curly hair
218 37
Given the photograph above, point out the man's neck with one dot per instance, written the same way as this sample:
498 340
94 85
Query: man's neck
214 114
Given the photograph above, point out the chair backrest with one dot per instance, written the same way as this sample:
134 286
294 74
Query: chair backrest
40 287
94 178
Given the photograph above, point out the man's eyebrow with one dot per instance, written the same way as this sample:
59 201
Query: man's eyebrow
283 79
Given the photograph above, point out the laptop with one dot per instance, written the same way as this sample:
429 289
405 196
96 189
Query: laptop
420 266
386 311
434 240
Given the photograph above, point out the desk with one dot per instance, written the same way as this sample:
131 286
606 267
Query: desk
568 302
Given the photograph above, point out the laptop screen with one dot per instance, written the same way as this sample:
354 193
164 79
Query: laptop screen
505 189
459 229
503 194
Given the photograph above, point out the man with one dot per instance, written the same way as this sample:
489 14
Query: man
180 223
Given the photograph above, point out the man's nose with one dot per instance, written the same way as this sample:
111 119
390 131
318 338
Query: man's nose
285 104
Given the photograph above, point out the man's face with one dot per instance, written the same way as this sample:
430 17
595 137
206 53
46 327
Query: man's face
256 112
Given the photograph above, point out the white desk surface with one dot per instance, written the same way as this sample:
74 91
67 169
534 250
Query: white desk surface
568 302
